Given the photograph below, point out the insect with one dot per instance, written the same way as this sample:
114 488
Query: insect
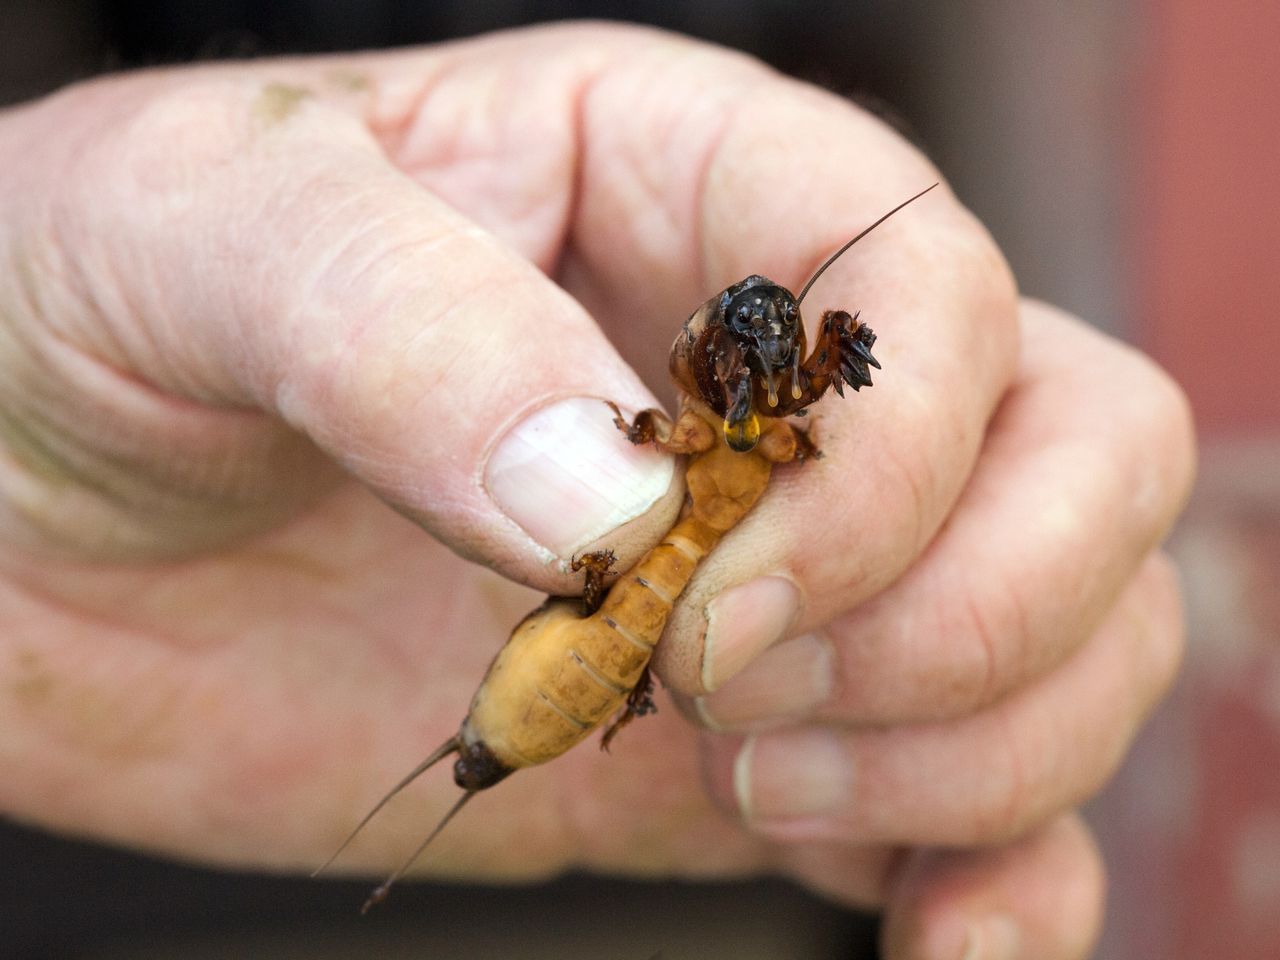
739 361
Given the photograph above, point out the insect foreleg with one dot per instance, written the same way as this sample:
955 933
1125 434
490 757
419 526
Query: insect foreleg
841 355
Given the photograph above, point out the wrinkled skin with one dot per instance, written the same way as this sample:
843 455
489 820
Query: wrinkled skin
246 307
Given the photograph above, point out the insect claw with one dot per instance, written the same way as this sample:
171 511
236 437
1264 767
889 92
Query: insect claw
855 373
864 353
857 382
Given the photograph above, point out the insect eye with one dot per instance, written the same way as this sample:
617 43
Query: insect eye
744 318
756 311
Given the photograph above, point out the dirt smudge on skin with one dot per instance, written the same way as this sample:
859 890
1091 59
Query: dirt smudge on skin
136 722
350 81
278 101
32 684
29 450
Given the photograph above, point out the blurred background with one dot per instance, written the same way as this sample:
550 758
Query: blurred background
1126 155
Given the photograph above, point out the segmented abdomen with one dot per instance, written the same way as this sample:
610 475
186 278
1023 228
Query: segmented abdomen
561 674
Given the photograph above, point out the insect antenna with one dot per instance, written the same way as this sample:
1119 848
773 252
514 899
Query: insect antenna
452 745
380 892
836 256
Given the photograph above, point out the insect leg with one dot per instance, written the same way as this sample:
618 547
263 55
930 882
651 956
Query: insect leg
690 433
649 426
598 563
639 704
841 355
783 442
806 449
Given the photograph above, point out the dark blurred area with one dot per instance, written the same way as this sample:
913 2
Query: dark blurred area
1122 154
72 901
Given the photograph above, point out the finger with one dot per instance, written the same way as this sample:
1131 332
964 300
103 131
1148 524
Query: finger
983 779
1041 898
274 259
693 193
1082 472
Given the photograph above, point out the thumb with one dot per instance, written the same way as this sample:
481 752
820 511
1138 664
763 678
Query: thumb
274 257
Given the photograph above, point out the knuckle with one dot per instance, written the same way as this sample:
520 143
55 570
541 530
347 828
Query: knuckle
991 650
1008 807
995 631
354 384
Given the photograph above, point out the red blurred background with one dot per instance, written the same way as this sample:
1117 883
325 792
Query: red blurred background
1192 825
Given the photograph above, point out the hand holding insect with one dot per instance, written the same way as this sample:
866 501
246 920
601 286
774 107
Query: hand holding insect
565 670
943 633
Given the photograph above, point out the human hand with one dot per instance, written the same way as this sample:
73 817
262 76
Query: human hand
224 281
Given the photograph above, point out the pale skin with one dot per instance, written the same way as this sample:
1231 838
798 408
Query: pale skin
245 308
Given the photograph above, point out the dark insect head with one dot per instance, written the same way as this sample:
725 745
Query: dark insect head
764 320
741 352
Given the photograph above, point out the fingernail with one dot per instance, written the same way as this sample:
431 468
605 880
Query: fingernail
568 476
742 622
994 938
781 777
785 683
